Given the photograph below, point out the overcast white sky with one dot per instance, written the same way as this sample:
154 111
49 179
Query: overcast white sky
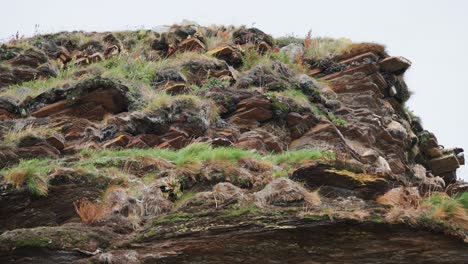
432 34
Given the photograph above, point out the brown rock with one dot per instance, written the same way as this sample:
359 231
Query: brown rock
251 143
254 102
444 164
51 109
111 51
293 119
263 47
175 143
394 64
221 142
273 145
258 113
136 143
56 141
360 184
38 151
5 115
227 53
191 44
144 141
119 141
434 152
176 88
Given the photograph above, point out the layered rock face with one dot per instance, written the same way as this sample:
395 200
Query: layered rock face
134 137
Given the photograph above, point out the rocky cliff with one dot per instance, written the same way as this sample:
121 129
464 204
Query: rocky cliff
131 147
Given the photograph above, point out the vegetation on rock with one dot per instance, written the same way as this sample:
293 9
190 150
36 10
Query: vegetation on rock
118 139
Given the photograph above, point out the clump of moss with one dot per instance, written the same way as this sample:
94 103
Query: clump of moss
238 211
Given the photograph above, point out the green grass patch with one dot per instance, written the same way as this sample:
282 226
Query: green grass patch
446 204
298 156
201 153
31 173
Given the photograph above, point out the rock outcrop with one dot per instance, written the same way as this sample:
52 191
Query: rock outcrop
117 143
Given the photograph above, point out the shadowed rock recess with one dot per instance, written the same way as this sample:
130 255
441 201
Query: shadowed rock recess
191 144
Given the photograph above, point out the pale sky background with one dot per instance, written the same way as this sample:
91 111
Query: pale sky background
432 34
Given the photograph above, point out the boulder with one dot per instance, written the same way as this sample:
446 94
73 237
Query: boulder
251 35
8 109
397 130
21 209
258 113
396 65
229 54
119 141
199 70
91 98
362 185
166 76
191 44
443 165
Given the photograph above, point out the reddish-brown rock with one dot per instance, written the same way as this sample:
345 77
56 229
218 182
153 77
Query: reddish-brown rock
258 113
119 141
394 64
191 44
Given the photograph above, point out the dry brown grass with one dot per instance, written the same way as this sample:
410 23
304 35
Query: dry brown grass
90 212
285 191
360 48
437 210
256 165
401 197
17 177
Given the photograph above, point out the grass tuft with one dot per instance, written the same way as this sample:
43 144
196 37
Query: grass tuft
30 173
90 212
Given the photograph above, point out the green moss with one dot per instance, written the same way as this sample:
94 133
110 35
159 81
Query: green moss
378 219
237 211
173 218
